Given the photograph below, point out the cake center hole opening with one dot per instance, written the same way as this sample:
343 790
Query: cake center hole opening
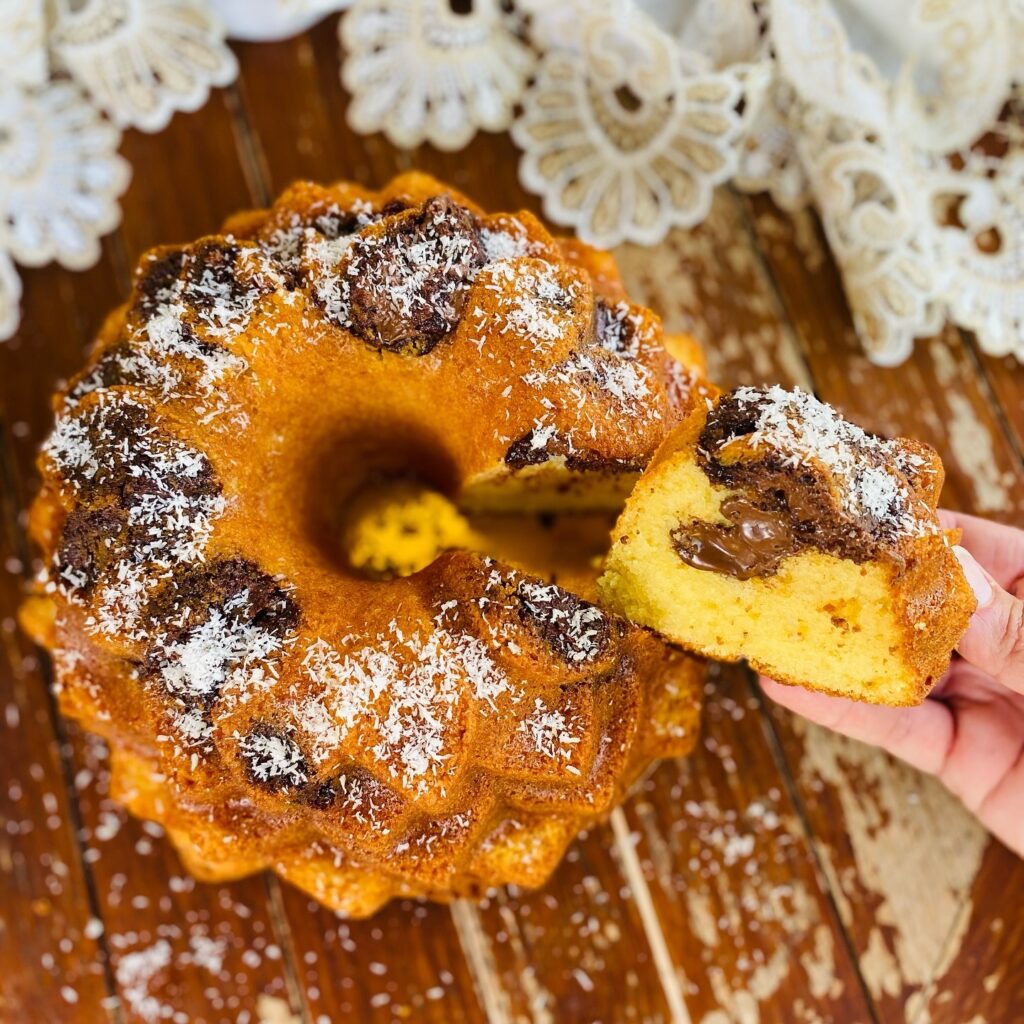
397 526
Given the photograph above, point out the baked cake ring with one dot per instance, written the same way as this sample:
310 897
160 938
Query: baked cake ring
427 735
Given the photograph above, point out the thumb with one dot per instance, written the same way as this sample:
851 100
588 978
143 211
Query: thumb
994 641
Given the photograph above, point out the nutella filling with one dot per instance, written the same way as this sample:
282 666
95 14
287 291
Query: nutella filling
753 545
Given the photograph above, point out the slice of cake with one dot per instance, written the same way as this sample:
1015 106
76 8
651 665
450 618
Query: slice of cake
770 528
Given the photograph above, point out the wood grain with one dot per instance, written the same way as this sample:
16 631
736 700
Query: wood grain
1005 376
733 881
779 875
405 963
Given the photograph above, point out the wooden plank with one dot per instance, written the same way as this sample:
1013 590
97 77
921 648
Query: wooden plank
984 979
724 922
1005 376
52 964
909 867
404 963
215 949
187 180
315 141
723 849
579 949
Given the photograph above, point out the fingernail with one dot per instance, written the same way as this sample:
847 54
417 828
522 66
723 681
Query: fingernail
976 578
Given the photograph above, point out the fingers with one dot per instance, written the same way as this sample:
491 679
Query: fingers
999 548
922 736
994 641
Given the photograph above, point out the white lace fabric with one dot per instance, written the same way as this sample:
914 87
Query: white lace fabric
142 60
902 123
420 71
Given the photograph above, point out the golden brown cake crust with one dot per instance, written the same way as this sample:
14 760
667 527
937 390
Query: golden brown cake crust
199 612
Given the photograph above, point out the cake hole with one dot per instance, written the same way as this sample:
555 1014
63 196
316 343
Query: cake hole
398 526
349 470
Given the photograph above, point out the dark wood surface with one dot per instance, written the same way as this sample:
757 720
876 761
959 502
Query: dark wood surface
780 874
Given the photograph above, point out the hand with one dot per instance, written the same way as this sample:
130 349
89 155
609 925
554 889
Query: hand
969 733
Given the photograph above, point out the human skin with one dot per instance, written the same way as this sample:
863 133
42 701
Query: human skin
969 733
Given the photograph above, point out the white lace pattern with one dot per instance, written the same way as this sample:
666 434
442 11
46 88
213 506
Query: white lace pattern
142 60
60 176
421 72
902 123
72 74
621 140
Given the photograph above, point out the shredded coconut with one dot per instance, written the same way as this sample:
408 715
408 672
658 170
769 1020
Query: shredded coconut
581 626
170 521
549 732
808 431
405 690
220 655
273 758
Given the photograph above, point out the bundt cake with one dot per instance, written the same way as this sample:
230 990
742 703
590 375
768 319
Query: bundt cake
365 734
770 528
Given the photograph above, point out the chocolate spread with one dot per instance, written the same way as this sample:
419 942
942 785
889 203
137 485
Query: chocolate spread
408 285
798 498
753 545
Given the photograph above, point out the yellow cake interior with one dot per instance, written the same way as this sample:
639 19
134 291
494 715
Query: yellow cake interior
820 620
398 527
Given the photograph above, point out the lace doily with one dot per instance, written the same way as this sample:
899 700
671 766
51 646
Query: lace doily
72 74
142 60
901 123
60 176
620 140
911 149
23 43
430 70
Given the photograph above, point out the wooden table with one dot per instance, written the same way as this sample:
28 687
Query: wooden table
778 875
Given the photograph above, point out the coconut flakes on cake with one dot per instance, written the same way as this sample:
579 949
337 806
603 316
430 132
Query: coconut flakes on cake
535 305
178 349
581 627
549 732
171 525
507 239
403 689
224 655
808 432
274 758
